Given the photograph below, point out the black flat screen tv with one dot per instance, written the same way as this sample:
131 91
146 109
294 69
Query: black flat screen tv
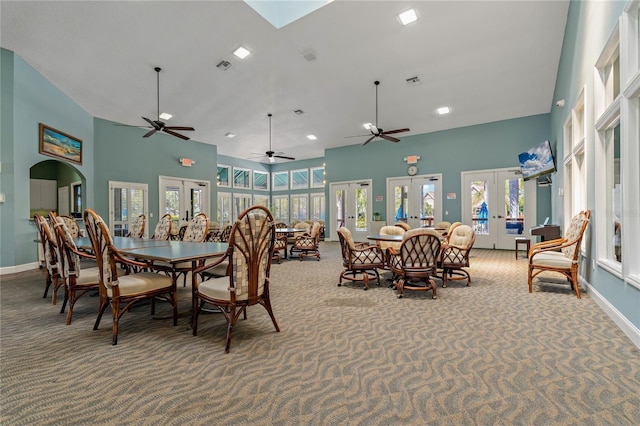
538 161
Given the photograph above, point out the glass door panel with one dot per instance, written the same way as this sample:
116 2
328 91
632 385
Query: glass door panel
183 199
351 207
127 201
416 201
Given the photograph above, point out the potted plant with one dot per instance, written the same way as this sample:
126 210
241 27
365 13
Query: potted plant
376 216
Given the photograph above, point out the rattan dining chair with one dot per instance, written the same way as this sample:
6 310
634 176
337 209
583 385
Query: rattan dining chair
250 253
361 261
121 292
50 250
416 262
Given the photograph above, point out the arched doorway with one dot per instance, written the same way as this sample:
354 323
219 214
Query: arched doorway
58 186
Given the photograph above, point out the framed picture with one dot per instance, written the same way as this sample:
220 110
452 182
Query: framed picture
55 143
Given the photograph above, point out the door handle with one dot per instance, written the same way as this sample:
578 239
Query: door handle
499 217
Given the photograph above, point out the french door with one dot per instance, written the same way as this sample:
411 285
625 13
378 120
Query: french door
127 201
351 207
183 198
416 200
493 201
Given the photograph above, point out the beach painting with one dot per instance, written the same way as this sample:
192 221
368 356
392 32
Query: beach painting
55 143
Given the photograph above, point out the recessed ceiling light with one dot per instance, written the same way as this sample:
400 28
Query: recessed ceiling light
241 52
230 135
165 116
443 110
312 137
366 125
408 17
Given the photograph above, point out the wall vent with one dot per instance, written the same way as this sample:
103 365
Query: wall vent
223 65
413 81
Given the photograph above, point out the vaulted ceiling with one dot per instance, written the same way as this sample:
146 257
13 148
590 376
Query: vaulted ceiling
486 60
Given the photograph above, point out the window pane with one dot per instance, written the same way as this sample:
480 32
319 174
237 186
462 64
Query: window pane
615 189
480 206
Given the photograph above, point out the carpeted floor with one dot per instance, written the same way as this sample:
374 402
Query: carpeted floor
486 354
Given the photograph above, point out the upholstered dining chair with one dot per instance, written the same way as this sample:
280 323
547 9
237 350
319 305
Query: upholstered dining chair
137 229
442 226
307 244
403 225
123 291
77 280
163 228
455 254
561 255
385 245
71 223
250 253
361 261
416 262
196 231
300 229
50 250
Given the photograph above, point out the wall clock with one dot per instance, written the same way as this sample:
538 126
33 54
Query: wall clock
412 170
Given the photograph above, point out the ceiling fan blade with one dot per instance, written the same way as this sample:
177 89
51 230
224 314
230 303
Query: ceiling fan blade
388 132
356 136
369 140
191 129
389 138
177 135
153 123
284 157
151 132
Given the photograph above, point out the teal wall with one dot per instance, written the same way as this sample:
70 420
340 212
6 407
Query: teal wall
449 152
589 26
28 99
123 155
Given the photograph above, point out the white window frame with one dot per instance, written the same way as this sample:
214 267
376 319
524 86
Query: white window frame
278 210
317 199
316 182
241 202
261 200
299 206
130 219
247 178
256 175
280 175
221 184
224 205
301 173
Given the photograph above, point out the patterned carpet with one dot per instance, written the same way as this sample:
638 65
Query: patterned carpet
489 354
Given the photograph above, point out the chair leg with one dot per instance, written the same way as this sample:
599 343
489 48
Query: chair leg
231 320
101 308
530 279
434 288
47 284
267 305
66 299
574 283
115 310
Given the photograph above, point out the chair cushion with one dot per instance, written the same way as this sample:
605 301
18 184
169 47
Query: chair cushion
88 276
217 288
551 259
141 283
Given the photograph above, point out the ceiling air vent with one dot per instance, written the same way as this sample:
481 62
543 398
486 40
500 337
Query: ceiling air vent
298 111
308 56
224 65
413 81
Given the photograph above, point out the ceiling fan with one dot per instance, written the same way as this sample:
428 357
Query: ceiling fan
160 126
272 155
377 132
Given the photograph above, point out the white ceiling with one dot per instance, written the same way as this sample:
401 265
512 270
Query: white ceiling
486 60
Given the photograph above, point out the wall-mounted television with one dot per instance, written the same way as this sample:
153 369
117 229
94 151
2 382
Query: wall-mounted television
538 161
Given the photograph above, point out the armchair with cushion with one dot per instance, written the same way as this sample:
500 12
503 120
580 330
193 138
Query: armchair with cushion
280 244
361 261
123 291
307 244
196 231
403 225
561 255
250 252
455 254
385 245
416 262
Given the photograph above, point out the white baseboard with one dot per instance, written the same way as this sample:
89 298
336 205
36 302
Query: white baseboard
18 268
632 332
